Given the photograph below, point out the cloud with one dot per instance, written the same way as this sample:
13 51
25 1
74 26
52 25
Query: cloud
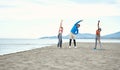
118 1
94 1
36 15
31 11
53 2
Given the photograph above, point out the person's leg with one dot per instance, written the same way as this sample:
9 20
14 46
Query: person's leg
58 45
70 42
74 43
61 43
95 42
100 43
60 40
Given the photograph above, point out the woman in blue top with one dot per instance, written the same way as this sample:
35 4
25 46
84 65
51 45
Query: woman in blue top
74 31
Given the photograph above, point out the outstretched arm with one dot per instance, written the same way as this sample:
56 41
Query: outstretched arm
60 28
61 23
78 22
98 23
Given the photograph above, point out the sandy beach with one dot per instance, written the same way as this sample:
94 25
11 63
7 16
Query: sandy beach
84 57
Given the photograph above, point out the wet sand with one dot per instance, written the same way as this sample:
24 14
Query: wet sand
84 57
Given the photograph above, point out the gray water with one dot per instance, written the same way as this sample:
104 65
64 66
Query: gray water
8 46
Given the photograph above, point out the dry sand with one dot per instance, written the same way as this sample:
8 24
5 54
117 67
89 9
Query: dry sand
84 57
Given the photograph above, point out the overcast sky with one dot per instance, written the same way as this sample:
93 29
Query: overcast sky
38 18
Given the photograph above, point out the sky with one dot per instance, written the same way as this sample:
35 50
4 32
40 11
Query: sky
39 18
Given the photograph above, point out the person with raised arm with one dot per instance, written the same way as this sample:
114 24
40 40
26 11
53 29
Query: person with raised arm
74 31
98 35
60 31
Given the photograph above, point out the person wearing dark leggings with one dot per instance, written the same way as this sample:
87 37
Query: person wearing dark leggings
74 41
74 31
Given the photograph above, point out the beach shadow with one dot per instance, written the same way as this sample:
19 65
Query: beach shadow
99 49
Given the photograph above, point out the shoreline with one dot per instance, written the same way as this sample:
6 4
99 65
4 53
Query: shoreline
56 46
83 57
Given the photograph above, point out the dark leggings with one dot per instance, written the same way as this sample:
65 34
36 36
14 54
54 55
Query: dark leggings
73 41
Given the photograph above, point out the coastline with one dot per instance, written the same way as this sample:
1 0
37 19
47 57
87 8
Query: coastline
83 57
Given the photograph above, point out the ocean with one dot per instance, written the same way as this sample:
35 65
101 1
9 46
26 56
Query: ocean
8 46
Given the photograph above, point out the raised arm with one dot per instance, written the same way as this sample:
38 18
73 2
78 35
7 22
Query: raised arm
78 22
98 23
61 23
60 28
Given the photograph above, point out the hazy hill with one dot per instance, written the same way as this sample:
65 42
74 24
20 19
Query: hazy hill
88 36
112 36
